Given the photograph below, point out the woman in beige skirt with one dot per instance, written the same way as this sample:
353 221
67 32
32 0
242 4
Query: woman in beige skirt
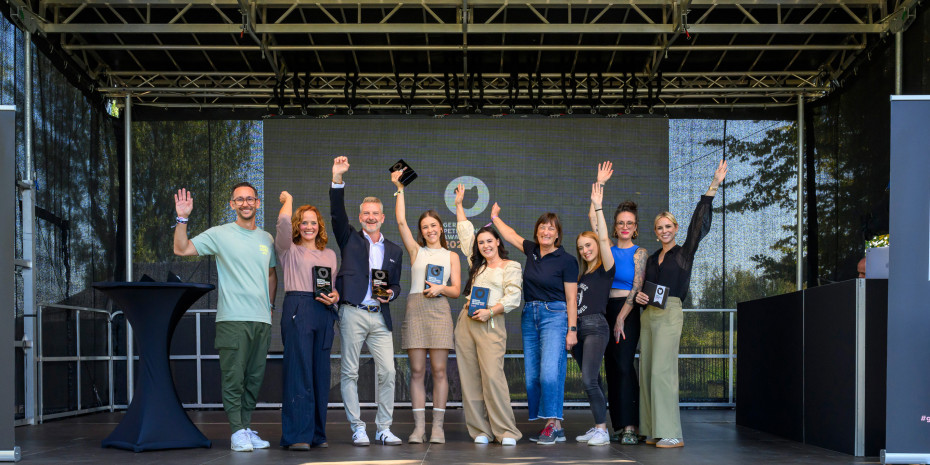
427 326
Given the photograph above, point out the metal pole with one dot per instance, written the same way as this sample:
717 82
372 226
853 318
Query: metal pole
29 214
899 63
800 257
127 208
27 97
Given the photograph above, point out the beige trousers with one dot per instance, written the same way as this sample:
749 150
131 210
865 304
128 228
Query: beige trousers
357 326
659 338
479 353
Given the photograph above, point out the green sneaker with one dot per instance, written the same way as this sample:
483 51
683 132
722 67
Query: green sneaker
629 438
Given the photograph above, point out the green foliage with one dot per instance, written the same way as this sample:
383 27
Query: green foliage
205 157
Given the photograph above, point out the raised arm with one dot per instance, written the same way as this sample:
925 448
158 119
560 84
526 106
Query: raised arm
183 205
702 216
337 205
603 242
507 232
604 171
459 209
400 212
287 204
282 236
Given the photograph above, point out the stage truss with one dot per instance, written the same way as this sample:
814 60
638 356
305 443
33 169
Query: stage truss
443 56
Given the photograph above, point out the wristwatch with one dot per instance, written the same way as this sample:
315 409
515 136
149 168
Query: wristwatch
573 328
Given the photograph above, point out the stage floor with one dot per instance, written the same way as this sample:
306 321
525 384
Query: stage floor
711 437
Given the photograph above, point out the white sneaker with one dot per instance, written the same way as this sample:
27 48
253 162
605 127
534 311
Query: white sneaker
599 438
387 438
360 438
257 442
508 442
481 439
586 436
240 441
670 443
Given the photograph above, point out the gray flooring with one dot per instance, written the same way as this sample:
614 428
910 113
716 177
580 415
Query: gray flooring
711 437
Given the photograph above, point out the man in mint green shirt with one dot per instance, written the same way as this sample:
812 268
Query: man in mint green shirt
245 262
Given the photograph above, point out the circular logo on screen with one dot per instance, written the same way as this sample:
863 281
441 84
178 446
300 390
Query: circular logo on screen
477 195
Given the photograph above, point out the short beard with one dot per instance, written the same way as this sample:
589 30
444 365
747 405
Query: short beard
366 226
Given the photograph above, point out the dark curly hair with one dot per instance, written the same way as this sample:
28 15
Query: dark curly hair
628 206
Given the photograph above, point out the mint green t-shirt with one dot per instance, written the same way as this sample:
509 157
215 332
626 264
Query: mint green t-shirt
243 258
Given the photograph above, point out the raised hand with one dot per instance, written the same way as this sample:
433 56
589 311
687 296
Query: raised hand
183 203
395 177
721 173
495 210
340 167
459 194
285 197
597 195
604 172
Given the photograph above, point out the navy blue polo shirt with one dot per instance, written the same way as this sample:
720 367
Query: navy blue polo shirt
544 278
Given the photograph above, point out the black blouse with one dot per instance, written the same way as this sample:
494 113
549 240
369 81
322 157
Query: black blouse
675 270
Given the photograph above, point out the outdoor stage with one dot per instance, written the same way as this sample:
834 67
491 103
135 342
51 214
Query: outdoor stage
711 437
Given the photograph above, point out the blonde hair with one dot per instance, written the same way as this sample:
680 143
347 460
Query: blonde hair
371 200
667 215
582 263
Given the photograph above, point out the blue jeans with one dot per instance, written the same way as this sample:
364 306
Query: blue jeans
545 325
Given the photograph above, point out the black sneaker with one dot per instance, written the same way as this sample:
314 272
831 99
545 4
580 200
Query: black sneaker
560 437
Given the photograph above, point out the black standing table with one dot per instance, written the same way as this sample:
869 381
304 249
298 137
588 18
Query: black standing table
155 418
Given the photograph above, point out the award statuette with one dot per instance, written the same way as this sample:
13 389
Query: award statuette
433 276
379 284
322 280
658 295
478 300
409 174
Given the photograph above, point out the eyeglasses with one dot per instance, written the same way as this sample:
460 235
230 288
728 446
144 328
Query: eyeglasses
241 200
628 224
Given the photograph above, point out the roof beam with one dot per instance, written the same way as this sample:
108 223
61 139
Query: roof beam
580 3
494 28
564 48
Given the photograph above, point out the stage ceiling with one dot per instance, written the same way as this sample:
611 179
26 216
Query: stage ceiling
608 56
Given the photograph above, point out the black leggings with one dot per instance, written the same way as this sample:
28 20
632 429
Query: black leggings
622 383
593 336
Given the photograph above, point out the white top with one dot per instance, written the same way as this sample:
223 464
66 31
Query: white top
504 283
375 260
428 256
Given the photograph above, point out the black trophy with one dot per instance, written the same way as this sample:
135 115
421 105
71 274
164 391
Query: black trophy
409 174
379 284
322 280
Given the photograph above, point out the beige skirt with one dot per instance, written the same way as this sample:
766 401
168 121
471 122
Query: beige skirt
428 323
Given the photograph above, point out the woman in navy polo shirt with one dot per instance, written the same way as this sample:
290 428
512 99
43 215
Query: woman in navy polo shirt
550 290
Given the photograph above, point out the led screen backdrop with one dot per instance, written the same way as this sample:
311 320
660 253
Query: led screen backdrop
528 165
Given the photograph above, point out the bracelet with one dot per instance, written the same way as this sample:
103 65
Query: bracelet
493 217
181 220
713 188
399 191
598 209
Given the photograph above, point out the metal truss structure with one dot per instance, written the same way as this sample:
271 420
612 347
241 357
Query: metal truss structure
463 55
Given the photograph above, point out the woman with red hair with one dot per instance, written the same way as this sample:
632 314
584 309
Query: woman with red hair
306 324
